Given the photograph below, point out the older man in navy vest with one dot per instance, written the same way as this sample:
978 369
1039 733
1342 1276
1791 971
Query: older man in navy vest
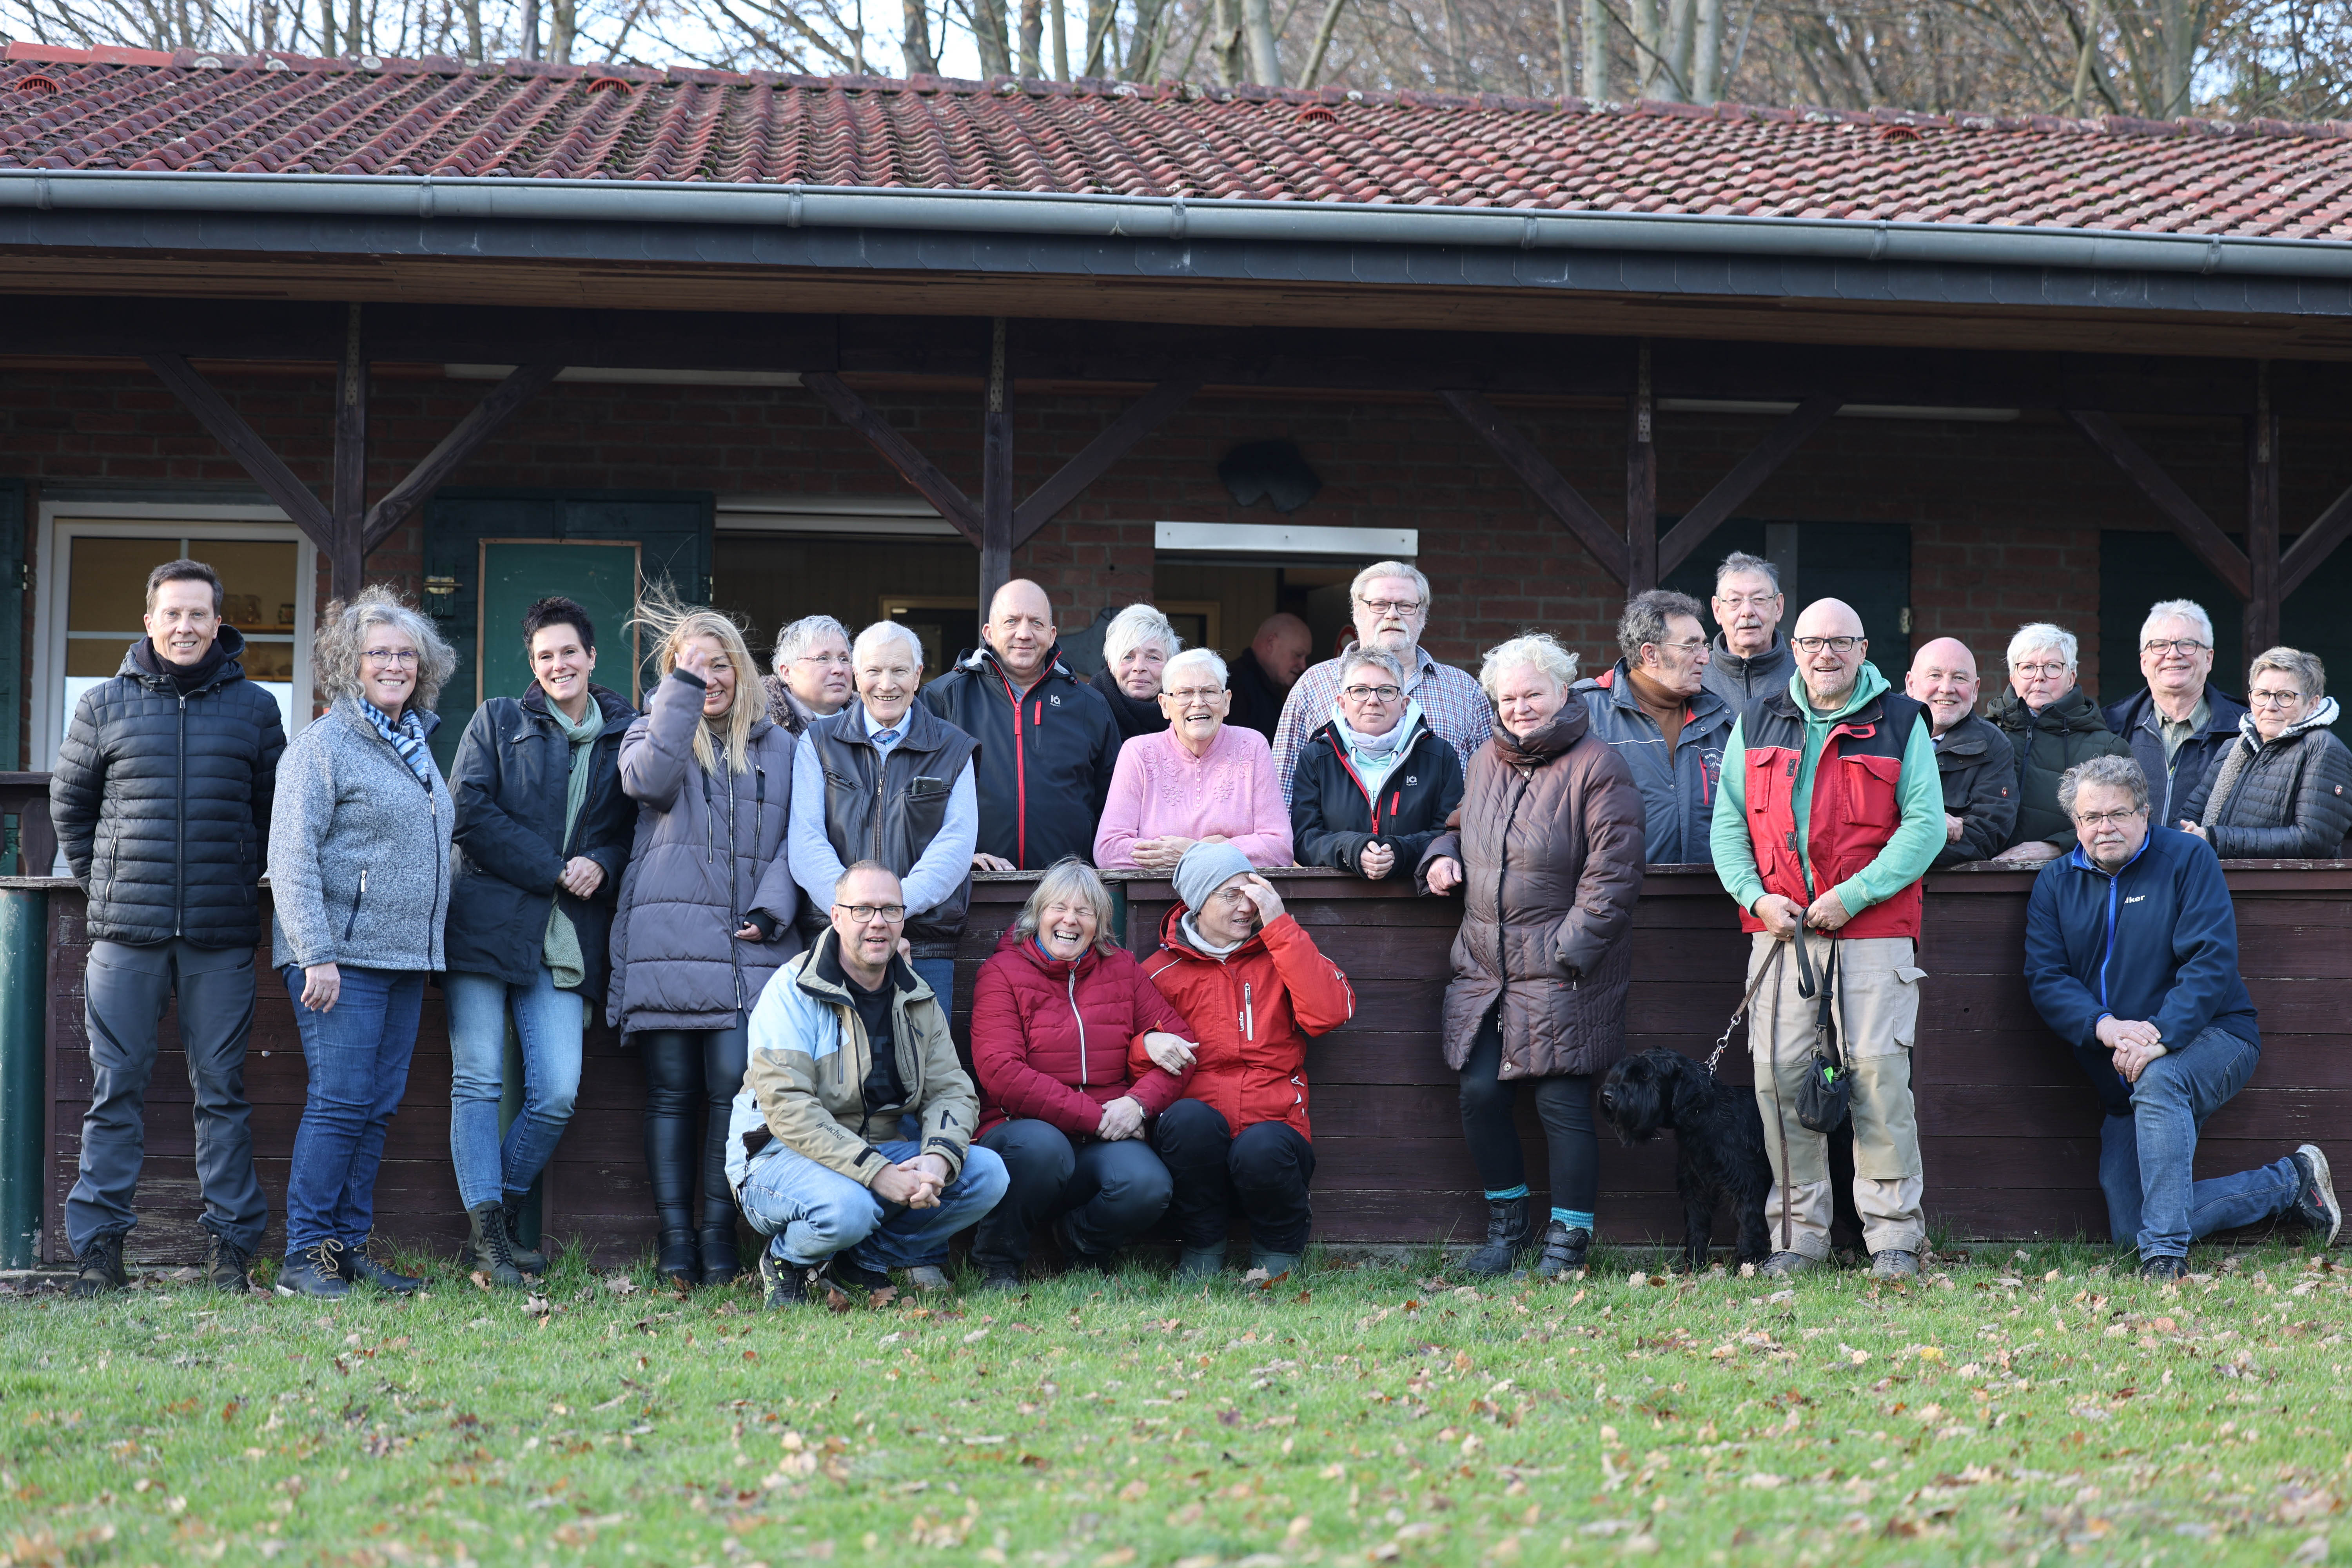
1830 812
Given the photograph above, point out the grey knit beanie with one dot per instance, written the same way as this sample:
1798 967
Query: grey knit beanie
1207 867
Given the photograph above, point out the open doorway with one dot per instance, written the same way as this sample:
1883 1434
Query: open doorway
1220 604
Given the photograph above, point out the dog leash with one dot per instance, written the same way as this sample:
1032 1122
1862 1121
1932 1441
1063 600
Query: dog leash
1723 1041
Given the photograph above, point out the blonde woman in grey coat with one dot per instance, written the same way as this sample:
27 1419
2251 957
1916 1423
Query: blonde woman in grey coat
705 915
359 872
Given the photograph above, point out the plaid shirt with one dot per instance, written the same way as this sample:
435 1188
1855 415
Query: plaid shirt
1452 699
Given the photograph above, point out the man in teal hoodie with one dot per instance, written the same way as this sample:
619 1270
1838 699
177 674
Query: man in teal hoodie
1829 813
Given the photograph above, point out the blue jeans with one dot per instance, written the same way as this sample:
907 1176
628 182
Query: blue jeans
358 1054
2145 1158
814 1211
938 974
549 1023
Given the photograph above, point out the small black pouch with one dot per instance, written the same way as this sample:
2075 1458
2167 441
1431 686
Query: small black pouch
1827 1093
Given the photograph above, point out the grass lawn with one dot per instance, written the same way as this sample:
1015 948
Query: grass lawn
2020 1406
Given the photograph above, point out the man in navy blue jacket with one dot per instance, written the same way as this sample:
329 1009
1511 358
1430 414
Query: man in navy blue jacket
2131 952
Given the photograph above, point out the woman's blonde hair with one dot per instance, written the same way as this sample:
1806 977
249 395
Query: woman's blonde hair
344 629
1066 879
670 621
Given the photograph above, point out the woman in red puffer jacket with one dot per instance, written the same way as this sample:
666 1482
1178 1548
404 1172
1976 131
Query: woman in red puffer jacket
1060 1010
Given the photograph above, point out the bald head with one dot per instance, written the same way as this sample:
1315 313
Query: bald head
1829 670
1944 677
1020 630
1283 646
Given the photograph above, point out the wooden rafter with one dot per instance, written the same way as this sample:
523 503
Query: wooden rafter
1142 416
918 470
2199 531
520 386
2315 544
1746 477
1603 542
227 427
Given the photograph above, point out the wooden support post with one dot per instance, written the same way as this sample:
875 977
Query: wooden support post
347 527
1641 482
1604 543
2263 594
995 474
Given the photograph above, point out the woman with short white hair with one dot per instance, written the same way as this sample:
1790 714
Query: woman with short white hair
359 872
1545 957
1136 646
2052 724
1199 781
2284 791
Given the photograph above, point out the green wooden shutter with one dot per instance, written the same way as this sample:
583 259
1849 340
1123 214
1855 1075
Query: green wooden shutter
13 591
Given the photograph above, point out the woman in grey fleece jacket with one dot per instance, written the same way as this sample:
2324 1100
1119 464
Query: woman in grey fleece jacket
359 872
706 916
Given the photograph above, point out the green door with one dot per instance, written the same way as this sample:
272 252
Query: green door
601 574
13 591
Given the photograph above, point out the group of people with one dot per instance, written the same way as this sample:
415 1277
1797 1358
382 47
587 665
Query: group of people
762 880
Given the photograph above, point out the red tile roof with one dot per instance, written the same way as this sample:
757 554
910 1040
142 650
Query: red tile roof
118 109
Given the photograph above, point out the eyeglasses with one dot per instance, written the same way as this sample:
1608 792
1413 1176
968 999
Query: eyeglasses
867 914
1835 644
2274 698
403 658
2101 818
1745 601
1695 643
2187 648
840 659
1386 607
1372 693
2039 672
1193 694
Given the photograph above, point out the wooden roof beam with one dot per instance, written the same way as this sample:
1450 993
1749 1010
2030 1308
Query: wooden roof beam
2199 531
1603 542
1747 475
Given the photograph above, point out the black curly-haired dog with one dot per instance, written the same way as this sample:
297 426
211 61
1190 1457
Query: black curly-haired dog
1718 1143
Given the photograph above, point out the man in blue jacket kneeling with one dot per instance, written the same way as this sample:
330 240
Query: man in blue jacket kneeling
2131 952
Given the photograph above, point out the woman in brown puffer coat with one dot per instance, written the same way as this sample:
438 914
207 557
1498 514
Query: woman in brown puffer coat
1549 862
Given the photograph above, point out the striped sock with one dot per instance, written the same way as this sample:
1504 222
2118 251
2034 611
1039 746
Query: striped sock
1505 1194
1575 1219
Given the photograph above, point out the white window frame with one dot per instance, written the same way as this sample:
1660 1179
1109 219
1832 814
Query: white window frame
62 521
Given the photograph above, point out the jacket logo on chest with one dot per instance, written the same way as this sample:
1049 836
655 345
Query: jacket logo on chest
1411 780
1053 703
2136 898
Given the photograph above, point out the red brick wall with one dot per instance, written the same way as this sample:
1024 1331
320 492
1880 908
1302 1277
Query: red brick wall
2005 517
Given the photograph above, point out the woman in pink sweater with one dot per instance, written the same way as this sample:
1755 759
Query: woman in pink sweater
1199 781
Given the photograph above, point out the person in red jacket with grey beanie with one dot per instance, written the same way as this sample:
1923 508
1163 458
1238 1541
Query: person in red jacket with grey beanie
1253 986
1074 1049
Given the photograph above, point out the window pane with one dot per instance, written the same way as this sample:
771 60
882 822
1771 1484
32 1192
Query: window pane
257 582
268 660
109 589
95 656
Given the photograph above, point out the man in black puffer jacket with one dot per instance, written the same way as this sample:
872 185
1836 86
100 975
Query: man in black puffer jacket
161 798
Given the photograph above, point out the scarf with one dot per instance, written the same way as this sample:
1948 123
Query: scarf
1567 727
561 945
1374 757
1203 944
406 737
188 679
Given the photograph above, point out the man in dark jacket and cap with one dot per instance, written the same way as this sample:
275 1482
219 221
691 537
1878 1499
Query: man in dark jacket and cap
2131 954
161 796
1047 740
1654 709
2179 725
2052 724
1749 659
1979 771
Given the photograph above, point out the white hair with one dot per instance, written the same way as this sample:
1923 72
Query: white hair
2188 610
1380 569
1375 659
1137 627
881 632
1541 649
798 636
2034 636
1204 657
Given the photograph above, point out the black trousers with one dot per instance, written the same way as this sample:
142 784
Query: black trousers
1264 1172
1564 1106
687 1072
1112 1192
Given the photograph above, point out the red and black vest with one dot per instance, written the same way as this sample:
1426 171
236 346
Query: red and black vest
1857 803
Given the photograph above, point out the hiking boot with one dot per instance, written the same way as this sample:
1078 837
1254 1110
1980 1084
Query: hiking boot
2315 1200
224 1266
1509 1228
1788 1265
359 1265
783 1283
999 1276
316 1271
1894 1264
101 1267
1564 1249
530 1259
1199 1264
2163 1269
487 1248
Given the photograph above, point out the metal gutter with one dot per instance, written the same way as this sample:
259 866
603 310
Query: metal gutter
1169 220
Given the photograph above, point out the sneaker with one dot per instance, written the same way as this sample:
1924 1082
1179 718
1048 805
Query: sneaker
1787 1265
1564 1249
316 1271
2163 1269
1509 1229
359 1265
1894 1264
226 1264
999 1276
927 1278
2315 1201
845 1270
783 1283
101 1267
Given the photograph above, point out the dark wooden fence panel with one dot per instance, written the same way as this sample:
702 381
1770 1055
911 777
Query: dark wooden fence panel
2010 1129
